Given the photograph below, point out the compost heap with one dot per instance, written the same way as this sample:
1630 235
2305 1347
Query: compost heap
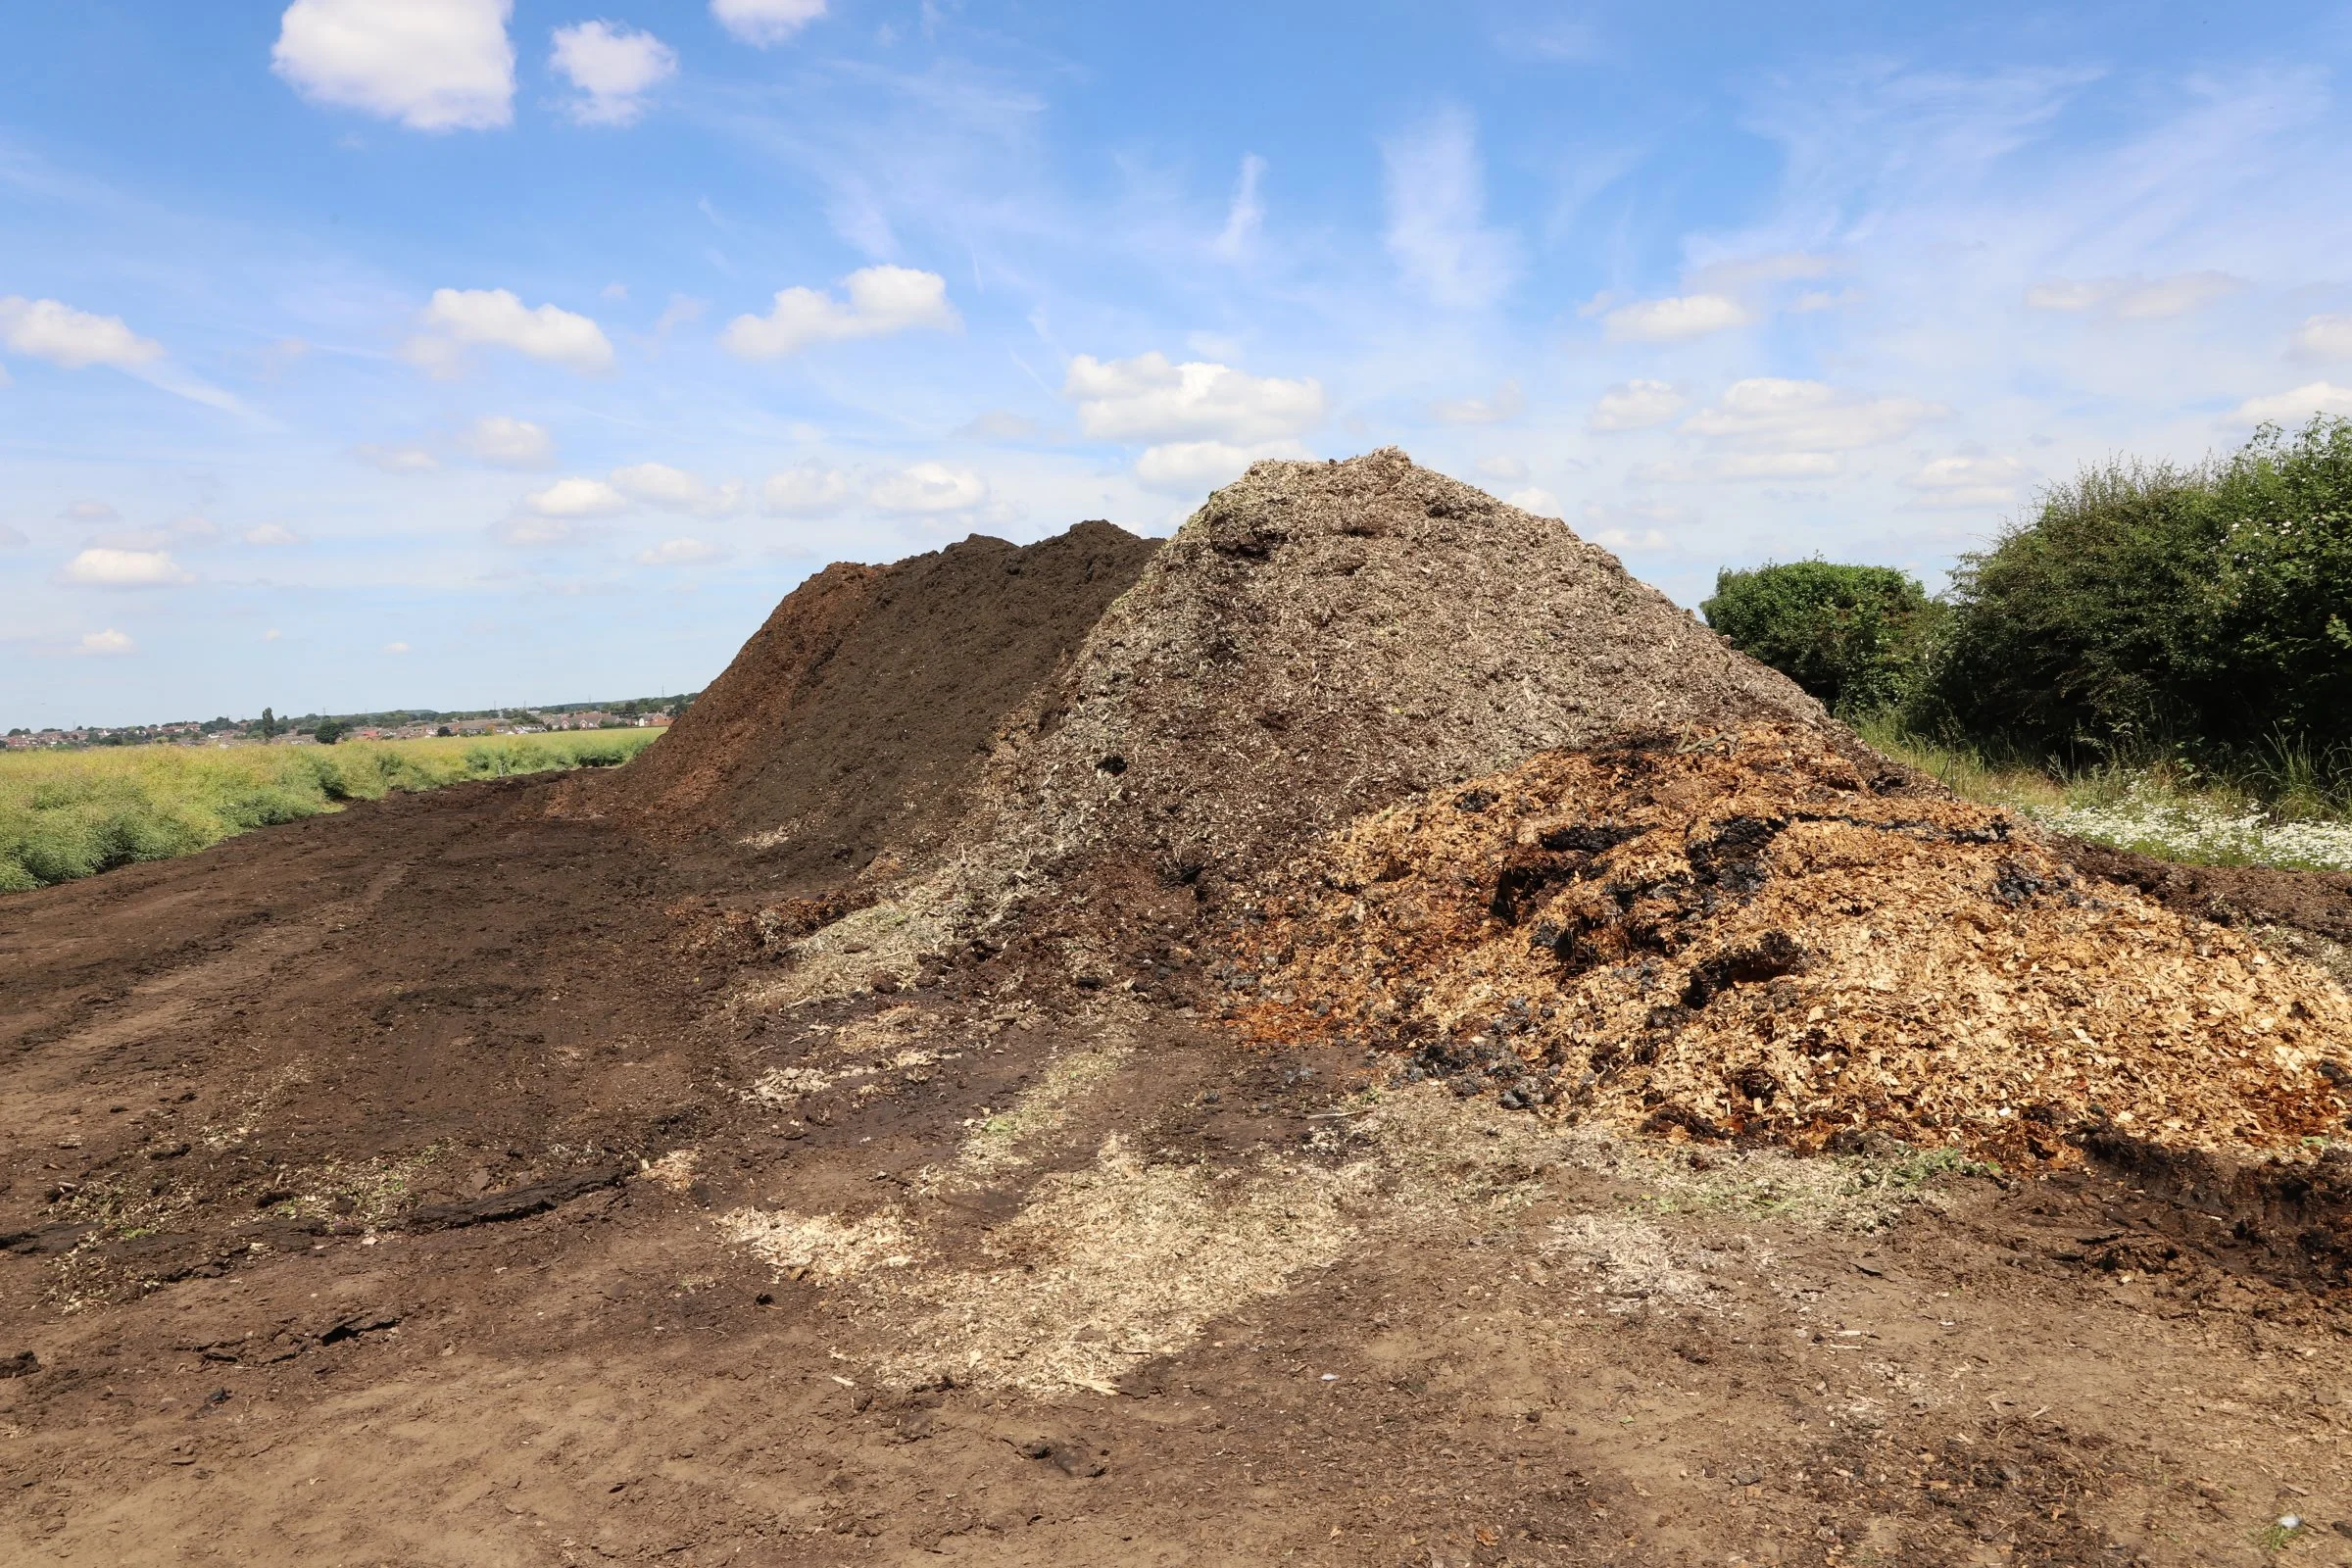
1365 754
856 718
1744 935
1319 640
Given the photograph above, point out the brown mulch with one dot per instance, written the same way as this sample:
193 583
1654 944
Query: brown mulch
856 719
1741 937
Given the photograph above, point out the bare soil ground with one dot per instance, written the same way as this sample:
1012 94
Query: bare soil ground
375 1191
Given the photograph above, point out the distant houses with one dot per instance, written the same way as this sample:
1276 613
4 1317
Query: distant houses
244 732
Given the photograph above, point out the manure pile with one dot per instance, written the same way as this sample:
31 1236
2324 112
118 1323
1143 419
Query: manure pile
1743 935
856 719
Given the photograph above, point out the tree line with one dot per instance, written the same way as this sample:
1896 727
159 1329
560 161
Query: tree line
2200 614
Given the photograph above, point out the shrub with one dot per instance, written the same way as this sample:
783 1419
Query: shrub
2203 609
1855 637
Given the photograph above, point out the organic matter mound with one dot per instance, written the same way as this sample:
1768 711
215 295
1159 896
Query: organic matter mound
854 720
1321 639
1727 936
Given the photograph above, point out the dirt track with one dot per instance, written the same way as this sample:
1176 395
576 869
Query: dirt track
341 1230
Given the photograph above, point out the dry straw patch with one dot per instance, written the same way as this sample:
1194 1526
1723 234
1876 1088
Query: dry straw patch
864 1053
1107 1266
1632 1264
823 1248
1004 1141
886 937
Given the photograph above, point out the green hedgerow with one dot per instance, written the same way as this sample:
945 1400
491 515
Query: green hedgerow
1855 637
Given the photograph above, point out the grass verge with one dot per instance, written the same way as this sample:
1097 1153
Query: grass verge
67 814
2157 809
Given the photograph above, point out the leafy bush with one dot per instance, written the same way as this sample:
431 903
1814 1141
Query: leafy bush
1855 637
2206 611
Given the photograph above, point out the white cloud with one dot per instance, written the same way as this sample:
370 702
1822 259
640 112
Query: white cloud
1508 469
1623 539
91 512
396 647
1148 399
1188 467
1436 216
680 310
1822 299
1246 215
11 538
432 65
1507 403
2297 406
1774 465
2324 337
529 530
678 553
1784 414
273 635
658 484
809 490
47 329
506 442
109 640
1737 466
2133 298
613 66
766 22
396 460
271 533
104 566
1623 526
462 319
1543 503
999 424
188 530
1638 405
1746 271
927 487
576 498
1968 481
1674 321
882 299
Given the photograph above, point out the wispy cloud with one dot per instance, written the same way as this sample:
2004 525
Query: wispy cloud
1506 403
2134 298
1437 205
1246 215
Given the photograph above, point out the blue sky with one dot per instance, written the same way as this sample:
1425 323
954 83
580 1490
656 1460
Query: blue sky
362 353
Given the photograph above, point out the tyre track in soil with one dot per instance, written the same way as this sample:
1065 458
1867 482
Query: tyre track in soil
603 1382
